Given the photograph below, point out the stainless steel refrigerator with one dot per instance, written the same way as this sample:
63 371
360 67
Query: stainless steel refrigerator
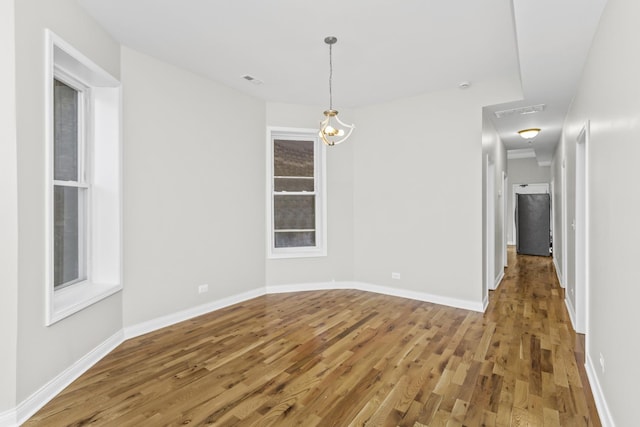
533 231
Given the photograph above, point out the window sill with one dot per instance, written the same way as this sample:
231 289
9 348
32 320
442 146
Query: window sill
77 297
317 253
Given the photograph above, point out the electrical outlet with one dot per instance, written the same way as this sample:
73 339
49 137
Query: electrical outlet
602 362
203 288
395 276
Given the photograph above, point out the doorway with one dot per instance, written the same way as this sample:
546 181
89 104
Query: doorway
540 188
490 278
580 290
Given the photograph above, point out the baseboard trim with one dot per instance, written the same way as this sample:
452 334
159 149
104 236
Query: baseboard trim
368 287
498 280
9 418
601 403
558 275
37 400
180 316
571 311
305 287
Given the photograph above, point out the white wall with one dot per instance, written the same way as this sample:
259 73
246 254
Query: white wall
44 352
338 264
606 98
9 212
194 189
523 171
418 192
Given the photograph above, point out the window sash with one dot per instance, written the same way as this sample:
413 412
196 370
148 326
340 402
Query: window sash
296 184
71 242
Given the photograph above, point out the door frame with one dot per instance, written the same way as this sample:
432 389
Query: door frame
505 215
490 227
544 186
581 287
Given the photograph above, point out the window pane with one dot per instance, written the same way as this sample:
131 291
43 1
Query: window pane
68 231
65 128
292 158
293 184
294 212
295 239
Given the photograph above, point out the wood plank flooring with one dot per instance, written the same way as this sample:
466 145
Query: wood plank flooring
348 358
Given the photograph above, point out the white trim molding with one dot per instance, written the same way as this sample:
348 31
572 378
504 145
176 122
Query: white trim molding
385 290
558 272
498 280
41 397
9 418
606 417
571 311
180 316
521 153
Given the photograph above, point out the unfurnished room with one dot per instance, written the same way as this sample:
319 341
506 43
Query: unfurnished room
339 213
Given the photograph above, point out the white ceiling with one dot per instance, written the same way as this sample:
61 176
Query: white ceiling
385 50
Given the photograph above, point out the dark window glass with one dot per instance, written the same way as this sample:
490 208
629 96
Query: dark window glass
65 127
67 217
292 158
294 212
295 239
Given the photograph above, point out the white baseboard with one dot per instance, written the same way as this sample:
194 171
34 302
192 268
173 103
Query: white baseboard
9 418
498 280
367 287
421 296
601 403
558 273
304 287
47 392
180 316
571 310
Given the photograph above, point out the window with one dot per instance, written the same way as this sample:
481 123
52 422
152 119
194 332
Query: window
70 187
296 193
83 170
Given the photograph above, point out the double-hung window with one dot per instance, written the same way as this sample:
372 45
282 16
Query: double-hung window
296 201
70 185
83 197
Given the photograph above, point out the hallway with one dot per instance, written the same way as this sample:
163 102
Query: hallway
541 355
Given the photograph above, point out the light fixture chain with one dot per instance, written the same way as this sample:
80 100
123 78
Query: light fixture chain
330 78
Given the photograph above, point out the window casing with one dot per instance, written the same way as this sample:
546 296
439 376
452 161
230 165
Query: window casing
296 193
83 197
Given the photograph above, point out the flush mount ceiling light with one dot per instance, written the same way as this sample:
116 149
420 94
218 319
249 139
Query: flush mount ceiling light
332 130
529 133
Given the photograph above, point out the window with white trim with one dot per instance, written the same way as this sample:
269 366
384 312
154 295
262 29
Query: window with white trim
83 198
70 186
296 202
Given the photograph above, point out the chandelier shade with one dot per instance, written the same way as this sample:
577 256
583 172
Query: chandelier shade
529 133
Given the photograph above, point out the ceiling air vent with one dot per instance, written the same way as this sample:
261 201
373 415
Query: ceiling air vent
252 79
522 110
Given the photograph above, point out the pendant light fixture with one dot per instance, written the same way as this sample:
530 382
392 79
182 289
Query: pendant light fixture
529 133
332 130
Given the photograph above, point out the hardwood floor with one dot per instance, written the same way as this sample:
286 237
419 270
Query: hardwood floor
345 357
